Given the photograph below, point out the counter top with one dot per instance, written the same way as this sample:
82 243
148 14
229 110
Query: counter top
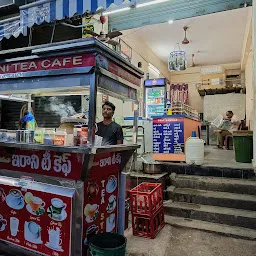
85 149
175 116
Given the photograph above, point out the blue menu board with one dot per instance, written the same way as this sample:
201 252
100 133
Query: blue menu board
168 136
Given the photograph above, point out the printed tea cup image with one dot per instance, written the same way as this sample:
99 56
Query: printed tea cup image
35 205
3 223
55 240
92 190
57 210
90 232
32 232
91 212
110 222
112 184
15 199
14 226
111 204
2 195
58 205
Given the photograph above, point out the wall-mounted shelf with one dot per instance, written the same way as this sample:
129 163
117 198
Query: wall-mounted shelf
212 91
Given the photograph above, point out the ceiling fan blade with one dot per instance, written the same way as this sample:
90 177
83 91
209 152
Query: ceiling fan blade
114 34
91 33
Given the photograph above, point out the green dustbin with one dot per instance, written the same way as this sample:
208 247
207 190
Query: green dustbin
107 244
243 147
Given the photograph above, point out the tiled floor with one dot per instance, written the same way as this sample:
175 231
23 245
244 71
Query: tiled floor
216 158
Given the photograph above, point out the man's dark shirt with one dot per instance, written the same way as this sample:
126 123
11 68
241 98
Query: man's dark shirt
111 133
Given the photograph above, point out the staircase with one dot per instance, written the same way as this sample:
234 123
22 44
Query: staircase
223 205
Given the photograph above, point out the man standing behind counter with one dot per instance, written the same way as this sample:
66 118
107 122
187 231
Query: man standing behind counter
110 131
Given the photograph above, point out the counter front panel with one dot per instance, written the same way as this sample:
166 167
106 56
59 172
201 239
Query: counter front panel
37 217
168 136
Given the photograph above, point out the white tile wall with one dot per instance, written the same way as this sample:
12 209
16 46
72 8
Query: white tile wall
220 103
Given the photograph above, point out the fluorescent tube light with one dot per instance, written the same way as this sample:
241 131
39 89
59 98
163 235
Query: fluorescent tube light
116 11
154 68
151 3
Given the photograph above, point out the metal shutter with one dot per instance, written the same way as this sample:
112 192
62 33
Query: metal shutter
47 116
10 114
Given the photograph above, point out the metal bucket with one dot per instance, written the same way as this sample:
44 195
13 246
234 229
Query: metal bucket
151 168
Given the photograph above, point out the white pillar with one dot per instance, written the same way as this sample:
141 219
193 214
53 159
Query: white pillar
254 81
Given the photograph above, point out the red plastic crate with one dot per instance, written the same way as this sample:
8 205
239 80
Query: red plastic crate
148 226
146 198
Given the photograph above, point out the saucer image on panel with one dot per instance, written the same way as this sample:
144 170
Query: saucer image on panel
110 222
111 204
16 203
39 212
35 205
32 232
58 249
56 216
91 212
55 240
112 184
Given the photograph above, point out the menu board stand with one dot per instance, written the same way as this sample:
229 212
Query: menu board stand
169 136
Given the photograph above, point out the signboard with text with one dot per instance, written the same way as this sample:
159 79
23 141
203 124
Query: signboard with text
17 69
39 221
101 196
168 136
52 63
50 163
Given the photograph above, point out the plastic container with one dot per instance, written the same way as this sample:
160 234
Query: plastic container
243 147
194 150
84 136
28 136
39 136
107 244
11 136
3 135
77 134
60 138
49 135
70 140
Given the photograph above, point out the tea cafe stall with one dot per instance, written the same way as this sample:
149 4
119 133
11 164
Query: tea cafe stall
54 198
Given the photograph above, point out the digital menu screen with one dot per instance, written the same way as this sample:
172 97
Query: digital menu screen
155 82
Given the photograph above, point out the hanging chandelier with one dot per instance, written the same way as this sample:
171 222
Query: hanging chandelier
177 60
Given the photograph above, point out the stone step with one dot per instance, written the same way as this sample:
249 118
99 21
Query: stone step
222 199
213 171
241 186
236 232
222 215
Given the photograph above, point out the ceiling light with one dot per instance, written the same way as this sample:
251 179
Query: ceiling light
170 21
116 11
154 68
151 3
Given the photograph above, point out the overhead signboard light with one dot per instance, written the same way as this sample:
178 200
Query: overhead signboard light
134 6
116 11
151 3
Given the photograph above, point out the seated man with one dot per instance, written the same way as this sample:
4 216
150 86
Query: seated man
221 134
